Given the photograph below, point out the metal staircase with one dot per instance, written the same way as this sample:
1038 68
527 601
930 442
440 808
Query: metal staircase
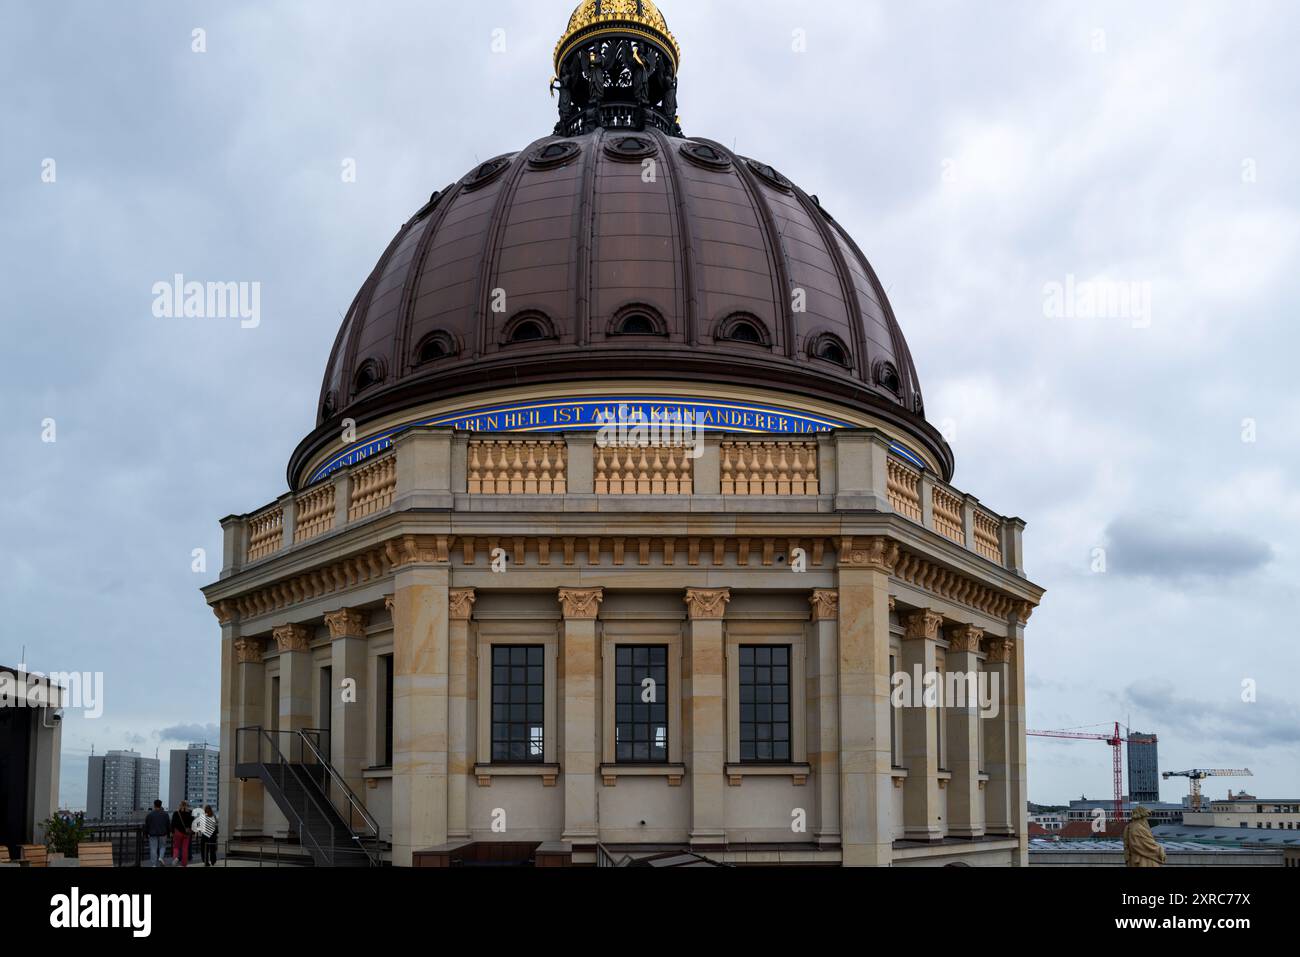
294 769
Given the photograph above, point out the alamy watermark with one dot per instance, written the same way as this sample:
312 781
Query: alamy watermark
80 690
179 299
919 688
633 428
1098 299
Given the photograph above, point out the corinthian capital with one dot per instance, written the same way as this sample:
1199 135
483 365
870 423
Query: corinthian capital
248 651
923 623
825 604
291 638
965 638
461 603
1001 651
707 604
581 604
346 623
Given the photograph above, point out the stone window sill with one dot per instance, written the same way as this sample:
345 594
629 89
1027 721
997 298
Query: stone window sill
944 778
549 773
899 775
798 773
673 773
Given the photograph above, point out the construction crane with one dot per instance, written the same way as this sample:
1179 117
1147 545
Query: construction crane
1114 740
1196 775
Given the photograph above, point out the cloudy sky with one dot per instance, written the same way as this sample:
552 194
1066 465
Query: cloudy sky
1085 215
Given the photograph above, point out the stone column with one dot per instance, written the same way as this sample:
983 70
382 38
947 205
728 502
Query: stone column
705 738
349 703
998 758
420 667
461 610
580 607
294 643
920 730
242 801
1016 747
866 829
964 818
823 713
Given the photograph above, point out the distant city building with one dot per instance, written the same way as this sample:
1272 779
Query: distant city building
30 735
1143 768
1164 812
194 777
121 785
1247 811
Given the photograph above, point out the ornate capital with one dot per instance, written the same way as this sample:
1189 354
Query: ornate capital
878 553
825 604
923 623
291 638
1001 651
389 601
346 623
225 612
248 651
965 638
461 603
707 604
581 604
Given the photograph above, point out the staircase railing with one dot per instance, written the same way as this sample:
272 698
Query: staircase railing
281 768
354 802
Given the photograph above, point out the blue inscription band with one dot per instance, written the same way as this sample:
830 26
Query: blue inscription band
593 414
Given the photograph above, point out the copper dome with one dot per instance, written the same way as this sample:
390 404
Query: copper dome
615 254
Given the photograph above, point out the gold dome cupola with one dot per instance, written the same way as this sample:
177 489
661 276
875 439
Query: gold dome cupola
616 68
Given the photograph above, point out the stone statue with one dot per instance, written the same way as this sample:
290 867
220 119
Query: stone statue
642 69
1140 846
564 83
594 73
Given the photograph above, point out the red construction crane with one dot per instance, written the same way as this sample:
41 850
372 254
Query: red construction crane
1114 740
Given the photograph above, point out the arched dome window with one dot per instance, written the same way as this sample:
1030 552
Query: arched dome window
434 347
743 328
830 348
887 377
369 375
637 321
528 327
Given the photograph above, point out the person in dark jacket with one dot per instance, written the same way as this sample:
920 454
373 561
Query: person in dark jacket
182 825
205 826
155 828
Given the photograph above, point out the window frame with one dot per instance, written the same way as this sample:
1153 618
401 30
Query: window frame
772 722
618 634
516 633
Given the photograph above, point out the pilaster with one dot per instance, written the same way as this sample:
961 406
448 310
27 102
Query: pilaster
703 681
580 607
921 818
964 816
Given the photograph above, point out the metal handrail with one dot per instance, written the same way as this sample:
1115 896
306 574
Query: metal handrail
303 829
353 800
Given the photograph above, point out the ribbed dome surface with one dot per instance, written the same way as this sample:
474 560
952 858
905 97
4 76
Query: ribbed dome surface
620 254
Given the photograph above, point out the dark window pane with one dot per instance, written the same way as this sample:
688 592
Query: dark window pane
641 703
518 709
765 703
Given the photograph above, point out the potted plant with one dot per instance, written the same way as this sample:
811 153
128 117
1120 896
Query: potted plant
63 834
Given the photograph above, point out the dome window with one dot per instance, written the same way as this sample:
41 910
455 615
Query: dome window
637 321
744 329
435 347
887 377
828 348
529 327
368 376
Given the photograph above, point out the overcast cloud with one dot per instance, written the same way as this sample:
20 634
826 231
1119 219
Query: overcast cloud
988 157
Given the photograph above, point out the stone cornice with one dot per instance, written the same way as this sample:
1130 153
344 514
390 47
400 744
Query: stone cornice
876 552
419 550
825 604
292 638
249 651
923 624
581 604
707 604
460 603
965 638
225 612
346 623
937 580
